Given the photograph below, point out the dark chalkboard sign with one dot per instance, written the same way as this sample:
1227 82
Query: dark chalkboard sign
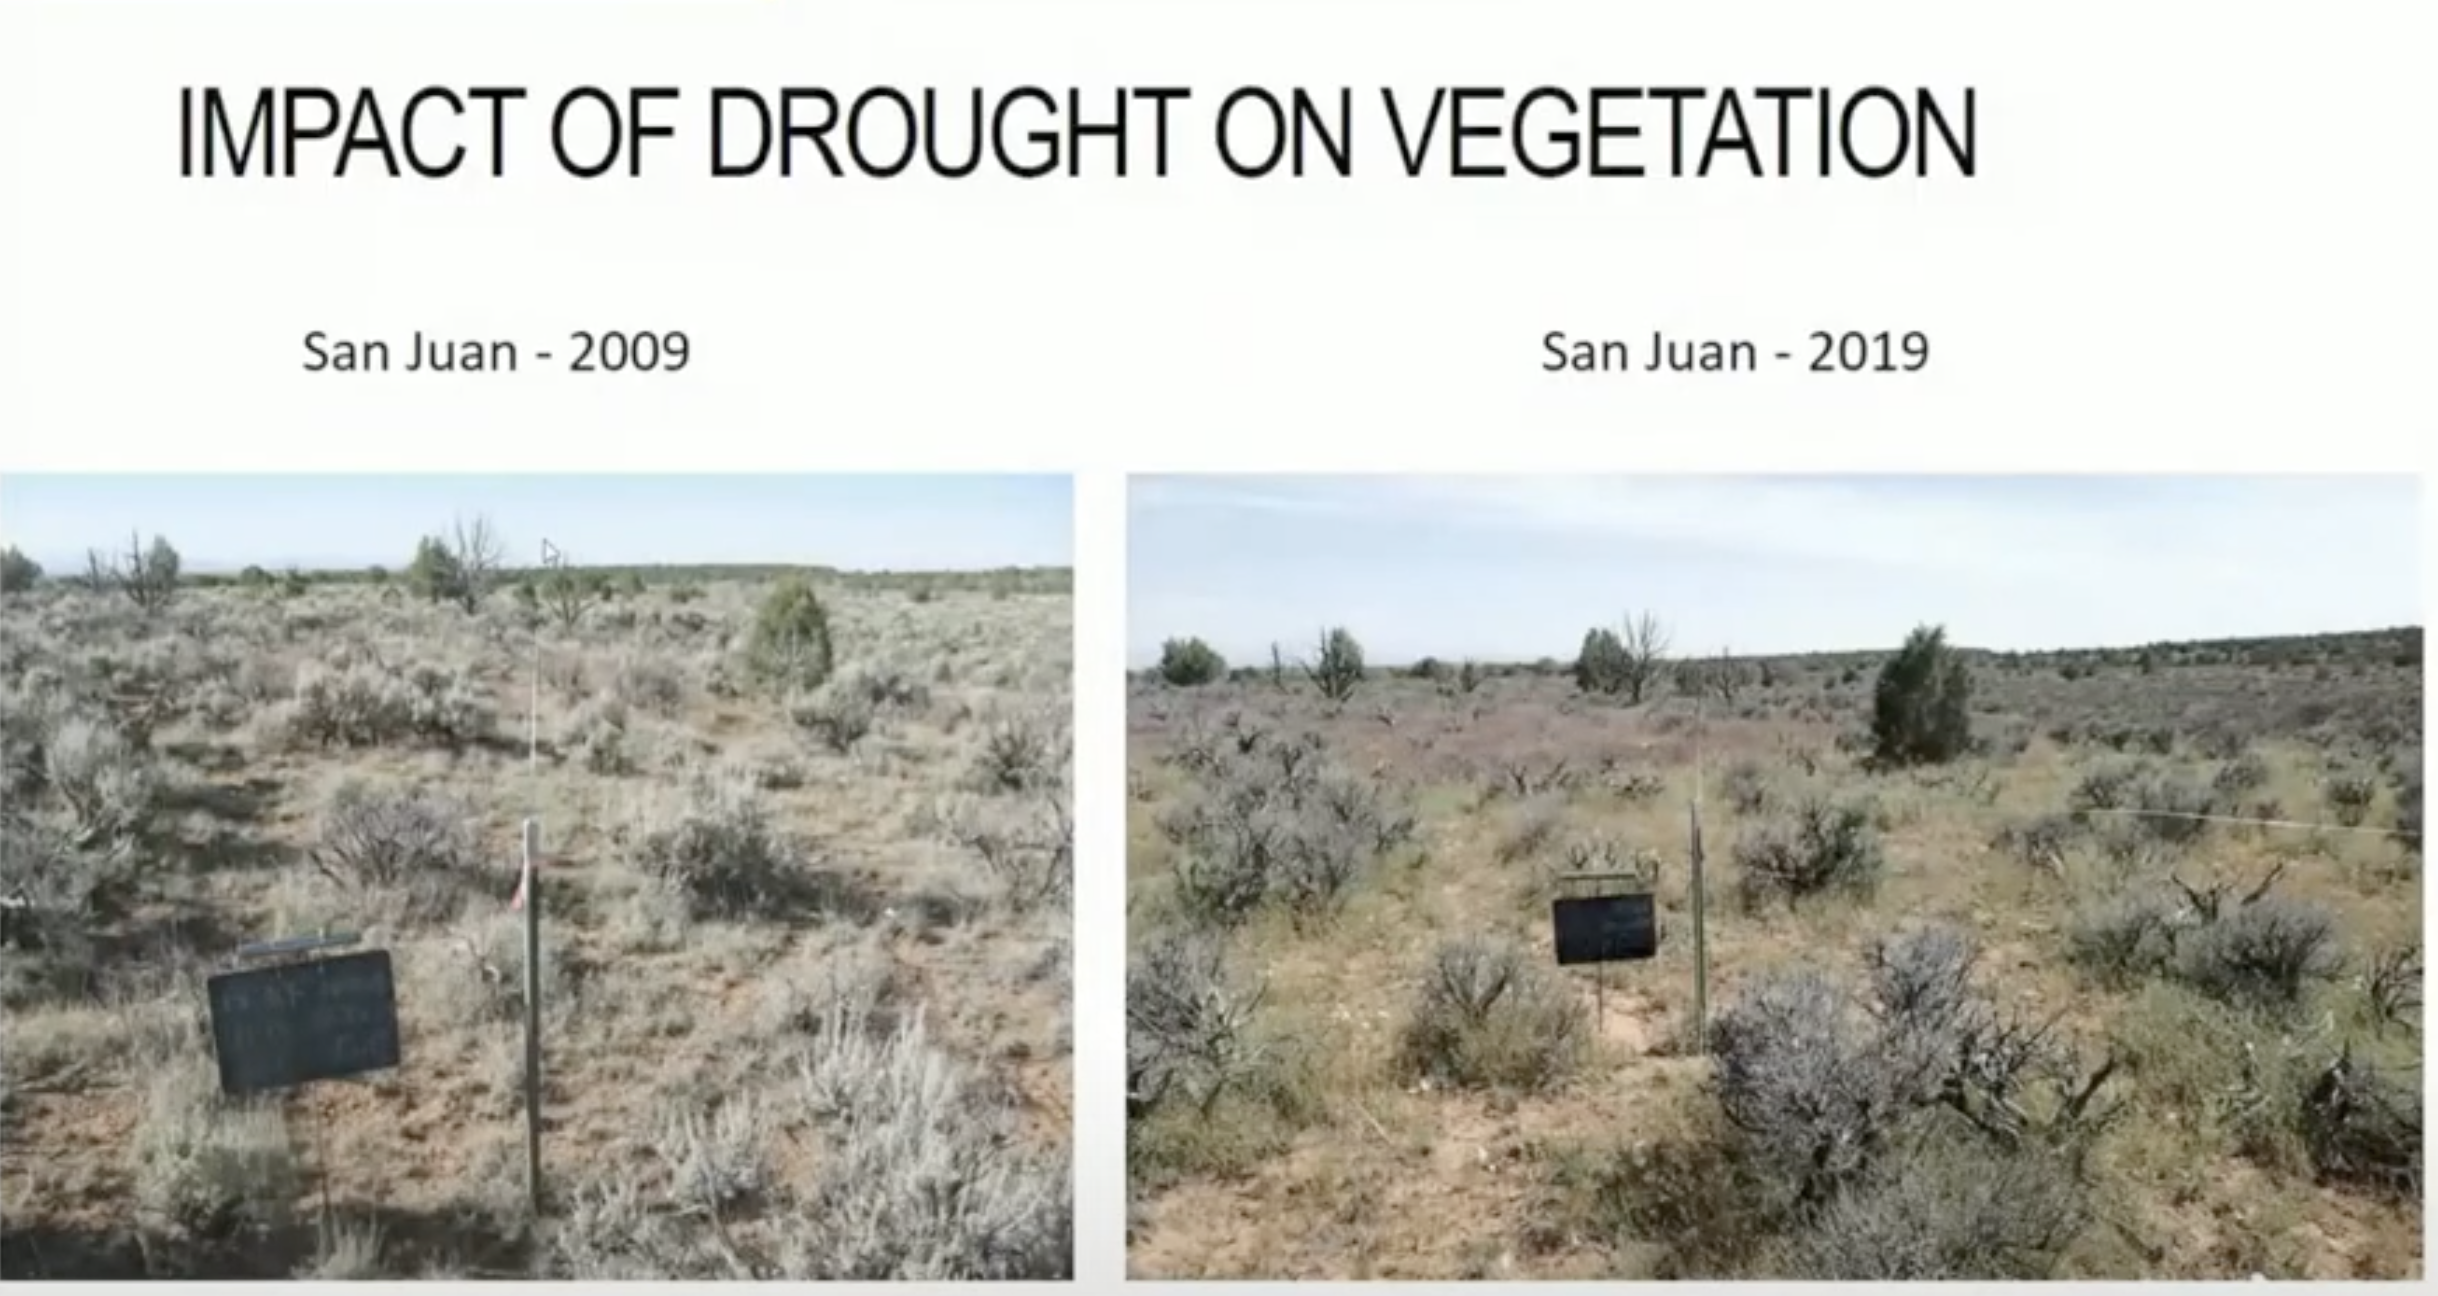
1605 929
290 1024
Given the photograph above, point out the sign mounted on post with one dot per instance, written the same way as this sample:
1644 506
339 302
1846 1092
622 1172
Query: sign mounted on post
1605 929
290 1024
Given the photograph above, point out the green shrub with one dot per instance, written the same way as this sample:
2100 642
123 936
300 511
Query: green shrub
2349 797
17 572
1610 663
1190 663
1600 663
1339 666
790 646
1921 709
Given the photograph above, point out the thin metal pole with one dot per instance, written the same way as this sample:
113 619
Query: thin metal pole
321 1162
533 1024
530 890
1701 946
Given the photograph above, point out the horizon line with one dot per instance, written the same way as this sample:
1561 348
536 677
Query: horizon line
1672 656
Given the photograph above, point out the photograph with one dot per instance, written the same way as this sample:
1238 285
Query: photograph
536 877
1859 878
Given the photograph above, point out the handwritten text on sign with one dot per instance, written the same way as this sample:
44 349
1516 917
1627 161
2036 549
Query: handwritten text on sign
277 1027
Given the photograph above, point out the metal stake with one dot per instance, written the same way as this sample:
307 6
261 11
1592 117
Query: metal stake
533 1023
1701 895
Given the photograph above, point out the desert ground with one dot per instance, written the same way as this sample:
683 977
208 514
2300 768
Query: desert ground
806 974
1967 1019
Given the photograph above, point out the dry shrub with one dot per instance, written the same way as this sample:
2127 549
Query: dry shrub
106 782
722 849
211 1169
2361 1125
366 704
2123 938
1279 823
836 715
2266 952
1486 1016
1943 1211
1212 1089
1029 852
924 1175
1869 1114
1019 753
416 846
598 735
1822 847
52 891
1189 1023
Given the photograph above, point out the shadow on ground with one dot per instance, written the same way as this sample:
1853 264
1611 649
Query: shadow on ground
412 1244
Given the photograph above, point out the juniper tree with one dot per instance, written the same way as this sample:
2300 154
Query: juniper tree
1921 708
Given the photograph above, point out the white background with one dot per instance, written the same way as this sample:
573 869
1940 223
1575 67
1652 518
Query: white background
2202 238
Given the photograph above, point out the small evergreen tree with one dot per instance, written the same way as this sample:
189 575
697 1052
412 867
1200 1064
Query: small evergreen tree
790 646
1611 663
1339 666
1190 663
1600 664
17 572
1921 709
432 572
459 568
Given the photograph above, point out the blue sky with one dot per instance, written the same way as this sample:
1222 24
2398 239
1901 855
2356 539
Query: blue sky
1515 568
852 521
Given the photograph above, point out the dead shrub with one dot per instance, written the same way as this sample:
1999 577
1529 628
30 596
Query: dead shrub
2362 1126
1189 1023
